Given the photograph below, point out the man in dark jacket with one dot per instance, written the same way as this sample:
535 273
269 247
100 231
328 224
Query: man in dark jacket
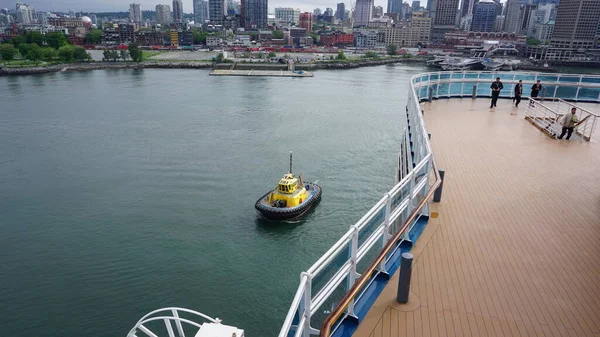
518 92
535 90
496 87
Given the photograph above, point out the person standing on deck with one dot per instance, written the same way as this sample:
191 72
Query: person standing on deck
568 123
496 87
518 92
535 90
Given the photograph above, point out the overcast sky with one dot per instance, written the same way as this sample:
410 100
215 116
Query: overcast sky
123 5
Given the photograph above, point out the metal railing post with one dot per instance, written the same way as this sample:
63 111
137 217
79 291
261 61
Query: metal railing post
353 274
474 91
306 304
385 237
437 196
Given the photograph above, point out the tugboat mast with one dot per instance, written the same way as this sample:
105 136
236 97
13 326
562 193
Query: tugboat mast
290 162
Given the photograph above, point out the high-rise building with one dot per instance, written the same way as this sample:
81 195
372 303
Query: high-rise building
410 33
255 13
416 5
484 15
340 12
177 11
511 21
577 24
287 14
539 16
135 13
199 14
466 7
377 11
443 14
25 13
163 14
394 6
406 12
218 9
94 19
317 12
306 21
499 23
363 13
5 19
524 17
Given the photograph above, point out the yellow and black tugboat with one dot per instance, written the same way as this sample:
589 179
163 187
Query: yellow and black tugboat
291 199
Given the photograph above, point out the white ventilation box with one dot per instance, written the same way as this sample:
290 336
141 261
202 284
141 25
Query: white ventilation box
219 330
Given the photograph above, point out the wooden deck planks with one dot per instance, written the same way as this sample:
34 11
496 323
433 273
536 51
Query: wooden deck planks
515 250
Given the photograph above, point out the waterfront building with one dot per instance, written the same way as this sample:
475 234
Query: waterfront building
150 38
135 13
410 33
484 16
163 14
126 33
340 13
306 21
368 38
443 13
338 39
317 12
363 13
287 14
177 11
577 24
111 34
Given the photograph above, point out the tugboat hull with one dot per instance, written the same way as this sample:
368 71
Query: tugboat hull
287 213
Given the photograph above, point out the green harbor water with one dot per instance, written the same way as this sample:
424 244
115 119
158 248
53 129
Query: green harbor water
126 191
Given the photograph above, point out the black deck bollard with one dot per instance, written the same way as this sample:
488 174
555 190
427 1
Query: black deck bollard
430 94
474 91
429 135
437 196
404 279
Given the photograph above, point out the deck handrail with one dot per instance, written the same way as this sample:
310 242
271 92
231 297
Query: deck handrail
360 283
416 163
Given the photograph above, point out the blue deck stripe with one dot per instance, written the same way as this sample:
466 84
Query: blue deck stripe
349 325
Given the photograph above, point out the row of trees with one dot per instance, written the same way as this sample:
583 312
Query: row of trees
33 52
133 52
54 39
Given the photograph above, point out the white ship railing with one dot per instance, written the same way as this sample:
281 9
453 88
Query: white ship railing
341 272
169 316
447 84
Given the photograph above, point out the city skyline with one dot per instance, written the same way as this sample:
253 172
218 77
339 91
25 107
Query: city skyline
121 6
